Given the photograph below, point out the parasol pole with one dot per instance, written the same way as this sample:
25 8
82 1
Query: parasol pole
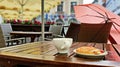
42 17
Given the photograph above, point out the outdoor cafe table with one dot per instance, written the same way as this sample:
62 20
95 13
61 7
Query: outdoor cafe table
33 35
44 54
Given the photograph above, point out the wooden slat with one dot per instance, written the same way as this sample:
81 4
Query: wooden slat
112 54
36 48
117 47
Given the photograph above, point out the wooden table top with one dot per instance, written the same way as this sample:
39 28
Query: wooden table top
46 53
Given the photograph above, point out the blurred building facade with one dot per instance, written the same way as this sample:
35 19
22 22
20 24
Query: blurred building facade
66 7
112 5
63 12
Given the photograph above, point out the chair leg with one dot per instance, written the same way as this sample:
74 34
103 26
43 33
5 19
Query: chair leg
25 39
7 43
22 41
17 42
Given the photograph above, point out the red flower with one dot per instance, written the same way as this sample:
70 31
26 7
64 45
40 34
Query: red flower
37 22
14 21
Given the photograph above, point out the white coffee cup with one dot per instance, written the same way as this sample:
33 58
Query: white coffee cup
62 44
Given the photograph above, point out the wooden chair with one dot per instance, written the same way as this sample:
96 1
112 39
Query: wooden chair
73 31
94 32
5 33
56 32
59 22
72 20
2 41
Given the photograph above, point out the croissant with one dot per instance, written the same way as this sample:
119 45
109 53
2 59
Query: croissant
88 50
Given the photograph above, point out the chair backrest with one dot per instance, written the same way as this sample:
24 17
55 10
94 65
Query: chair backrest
6 28
73 31
94 32
56 29
72 20
2 41
59 22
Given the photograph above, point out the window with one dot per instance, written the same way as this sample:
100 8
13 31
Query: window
72 6
60 7
95 1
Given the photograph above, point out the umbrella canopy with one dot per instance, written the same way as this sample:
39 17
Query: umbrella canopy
11 14
94 13
28 5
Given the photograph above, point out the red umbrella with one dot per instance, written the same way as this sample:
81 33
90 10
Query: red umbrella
94 13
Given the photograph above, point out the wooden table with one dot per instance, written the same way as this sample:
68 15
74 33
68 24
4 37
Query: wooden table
44 54
33 35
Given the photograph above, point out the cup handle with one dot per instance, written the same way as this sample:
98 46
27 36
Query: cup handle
65 45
